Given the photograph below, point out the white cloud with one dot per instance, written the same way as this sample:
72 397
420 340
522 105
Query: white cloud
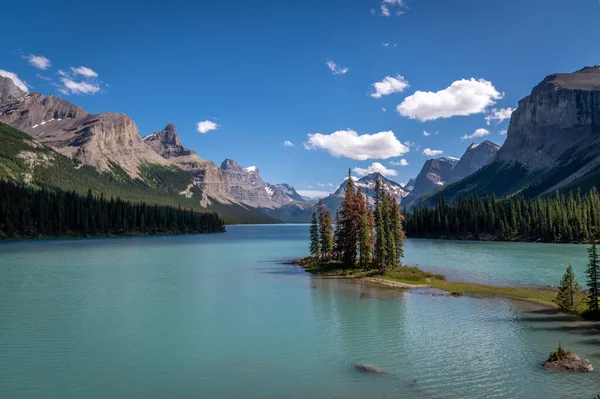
383 109
72 87
386 4
499 115
206 126
503 132
375 167
349 144
336 69
463 97
386 44
313 193
38 61
42 77
389 85
402 162
425 133
84 71
478 133
15 78
288 143
373 12
432 153
325 185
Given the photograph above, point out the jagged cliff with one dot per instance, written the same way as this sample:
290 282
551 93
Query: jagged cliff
475 157
434 174
208 176
553 141
101 141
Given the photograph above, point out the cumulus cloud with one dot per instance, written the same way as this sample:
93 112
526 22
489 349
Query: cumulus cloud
72 87
498 115
478 133
349 144
432 153
461 98
389 85
313 193
84 71
288 143
402 162
425 133
15 79
38 61
503 132
375 167
206 126
387 4
385 11
336 69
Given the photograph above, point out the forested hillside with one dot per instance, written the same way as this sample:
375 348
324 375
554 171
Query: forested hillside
33 212
560 218
24 160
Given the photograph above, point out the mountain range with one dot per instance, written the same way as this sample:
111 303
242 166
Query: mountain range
553 143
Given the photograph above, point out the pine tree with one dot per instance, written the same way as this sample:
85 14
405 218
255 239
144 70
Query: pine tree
392 258
593 282
569 295
397 230
315 246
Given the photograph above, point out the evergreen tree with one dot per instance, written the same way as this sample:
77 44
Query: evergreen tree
380 217
349 225
315 245
569 295
325 231
397 230
365 232
593 274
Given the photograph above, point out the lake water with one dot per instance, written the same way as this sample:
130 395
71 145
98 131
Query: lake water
215 316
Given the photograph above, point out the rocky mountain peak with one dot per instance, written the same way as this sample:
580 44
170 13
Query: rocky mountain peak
587 78
230 164
475 157
166 142
9 91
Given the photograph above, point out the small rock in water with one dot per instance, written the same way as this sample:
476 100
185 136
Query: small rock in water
367 368
571 363
457 293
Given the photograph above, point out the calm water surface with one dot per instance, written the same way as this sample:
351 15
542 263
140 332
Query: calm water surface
217 317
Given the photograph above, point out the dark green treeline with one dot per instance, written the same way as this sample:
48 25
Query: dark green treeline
559 218
31 212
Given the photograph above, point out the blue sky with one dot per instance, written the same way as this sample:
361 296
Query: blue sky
258 70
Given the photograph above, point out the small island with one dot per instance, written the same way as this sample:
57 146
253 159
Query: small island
563 360
365 244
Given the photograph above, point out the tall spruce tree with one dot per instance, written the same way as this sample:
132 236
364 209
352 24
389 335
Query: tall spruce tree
570 295
315 245
325 231
365 231
349 225
392 258
593 282
380 226
397 229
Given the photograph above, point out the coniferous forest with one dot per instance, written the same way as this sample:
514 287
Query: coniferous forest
30 212
571 218
370 238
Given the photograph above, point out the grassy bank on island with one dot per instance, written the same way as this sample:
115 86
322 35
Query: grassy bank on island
413 277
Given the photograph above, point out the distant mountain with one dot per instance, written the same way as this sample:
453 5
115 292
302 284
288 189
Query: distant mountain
109 144
207 176
98 140
410 185
475 157
434 174
367 185
553 142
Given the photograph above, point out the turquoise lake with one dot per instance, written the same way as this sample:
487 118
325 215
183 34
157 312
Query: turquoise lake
218 316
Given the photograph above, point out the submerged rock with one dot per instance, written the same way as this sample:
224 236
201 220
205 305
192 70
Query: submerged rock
367 368
457 293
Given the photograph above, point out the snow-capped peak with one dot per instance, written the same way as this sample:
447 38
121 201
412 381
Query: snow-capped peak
251 169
